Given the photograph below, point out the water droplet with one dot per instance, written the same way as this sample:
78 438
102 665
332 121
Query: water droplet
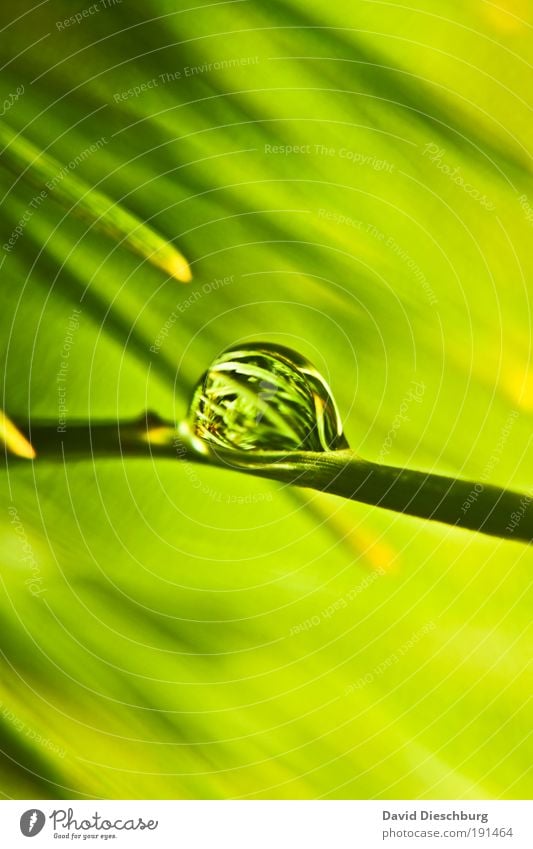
265 397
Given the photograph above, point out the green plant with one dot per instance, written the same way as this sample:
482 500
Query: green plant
342 182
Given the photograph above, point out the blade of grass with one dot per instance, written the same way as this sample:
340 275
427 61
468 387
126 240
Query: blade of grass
460 503
24 159
14 440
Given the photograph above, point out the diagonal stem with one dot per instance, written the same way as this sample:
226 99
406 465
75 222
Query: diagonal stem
461 503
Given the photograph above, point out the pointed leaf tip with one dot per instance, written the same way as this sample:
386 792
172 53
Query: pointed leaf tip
14 439
180 269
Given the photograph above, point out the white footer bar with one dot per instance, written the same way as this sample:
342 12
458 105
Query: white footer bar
267 824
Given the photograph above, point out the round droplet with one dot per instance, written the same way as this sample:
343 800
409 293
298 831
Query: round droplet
265 397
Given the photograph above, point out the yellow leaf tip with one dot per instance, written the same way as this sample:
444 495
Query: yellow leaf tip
14 439
181 270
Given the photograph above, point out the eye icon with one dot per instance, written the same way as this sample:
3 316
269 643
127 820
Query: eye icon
32 822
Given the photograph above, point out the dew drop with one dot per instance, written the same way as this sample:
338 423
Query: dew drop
265 397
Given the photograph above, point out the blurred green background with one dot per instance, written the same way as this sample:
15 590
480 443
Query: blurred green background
193 633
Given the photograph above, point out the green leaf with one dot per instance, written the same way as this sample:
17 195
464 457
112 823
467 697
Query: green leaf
58 181
352 181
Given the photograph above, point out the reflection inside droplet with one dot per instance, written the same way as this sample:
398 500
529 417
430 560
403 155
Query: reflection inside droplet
265 397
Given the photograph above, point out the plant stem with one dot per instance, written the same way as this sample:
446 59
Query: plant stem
461 503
